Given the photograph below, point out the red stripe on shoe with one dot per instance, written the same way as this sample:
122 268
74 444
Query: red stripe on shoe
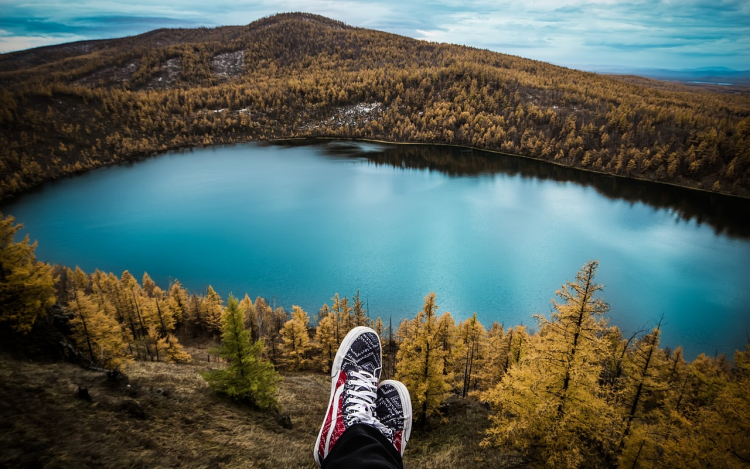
334 419
397 440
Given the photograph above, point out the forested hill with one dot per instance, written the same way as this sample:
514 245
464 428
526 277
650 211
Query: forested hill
72 107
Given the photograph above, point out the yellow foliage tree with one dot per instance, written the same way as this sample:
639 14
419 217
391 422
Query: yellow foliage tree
420 361
551 406
26 285
296 339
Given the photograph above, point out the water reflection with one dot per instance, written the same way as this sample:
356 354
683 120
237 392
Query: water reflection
726 215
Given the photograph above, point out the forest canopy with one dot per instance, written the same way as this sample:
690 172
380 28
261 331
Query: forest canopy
73 107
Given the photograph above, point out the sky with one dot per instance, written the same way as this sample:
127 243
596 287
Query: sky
586 34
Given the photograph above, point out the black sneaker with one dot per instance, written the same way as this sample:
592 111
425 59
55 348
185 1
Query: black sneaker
393 410
354 380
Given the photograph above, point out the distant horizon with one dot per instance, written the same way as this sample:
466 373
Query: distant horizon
587 35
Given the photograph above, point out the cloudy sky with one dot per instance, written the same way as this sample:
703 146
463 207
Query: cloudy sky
587 34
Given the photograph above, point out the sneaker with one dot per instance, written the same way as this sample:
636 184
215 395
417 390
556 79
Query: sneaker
393 410
354 381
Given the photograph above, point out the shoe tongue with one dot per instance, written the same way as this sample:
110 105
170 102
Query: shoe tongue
348 367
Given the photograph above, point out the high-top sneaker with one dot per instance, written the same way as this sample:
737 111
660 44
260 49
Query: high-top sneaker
393 410
354 381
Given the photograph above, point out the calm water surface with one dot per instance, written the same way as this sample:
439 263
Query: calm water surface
488 233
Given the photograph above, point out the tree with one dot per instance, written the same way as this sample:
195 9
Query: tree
26 285
492 365
325 336
96 333
212 311
420 361
296 339
472 335
551 406
360 314
247 377
642 378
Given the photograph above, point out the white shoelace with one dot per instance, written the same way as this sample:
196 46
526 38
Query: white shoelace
360 404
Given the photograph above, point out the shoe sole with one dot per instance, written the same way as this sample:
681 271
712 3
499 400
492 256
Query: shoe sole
403 394
335 370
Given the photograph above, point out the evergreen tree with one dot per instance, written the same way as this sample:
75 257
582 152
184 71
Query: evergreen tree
420 361
247 377
26 285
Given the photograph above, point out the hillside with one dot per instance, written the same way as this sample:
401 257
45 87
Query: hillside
73 107
164 415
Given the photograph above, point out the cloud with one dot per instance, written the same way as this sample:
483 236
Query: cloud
641 33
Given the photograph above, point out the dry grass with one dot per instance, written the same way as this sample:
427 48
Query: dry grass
44 424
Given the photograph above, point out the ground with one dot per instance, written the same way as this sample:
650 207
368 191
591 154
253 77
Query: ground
164 415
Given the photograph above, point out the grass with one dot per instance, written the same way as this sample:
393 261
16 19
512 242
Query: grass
43 424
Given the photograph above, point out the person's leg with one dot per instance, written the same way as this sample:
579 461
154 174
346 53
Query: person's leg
393 410
363 447
354 381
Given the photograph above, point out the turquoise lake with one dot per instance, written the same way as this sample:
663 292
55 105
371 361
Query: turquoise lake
488 233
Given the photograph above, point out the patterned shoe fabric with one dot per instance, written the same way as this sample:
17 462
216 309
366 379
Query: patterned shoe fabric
354 380
393 410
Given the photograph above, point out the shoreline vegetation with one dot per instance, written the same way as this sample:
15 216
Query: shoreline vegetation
574 393
78 106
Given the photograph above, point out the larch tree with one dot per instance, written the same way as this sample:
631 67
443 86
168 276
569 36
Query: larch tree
492 365
178 303
644 370
96 333
26 285
251 317
472 336
359 312
212 311
247 377
716 434
378 327
420 361
551 406
296 339
325 336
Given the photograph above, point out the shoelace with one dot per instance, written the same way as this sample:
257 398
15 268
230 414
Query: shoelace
360 403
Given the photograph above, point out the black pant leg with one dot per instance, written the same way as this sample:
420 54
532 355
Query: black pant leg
363 447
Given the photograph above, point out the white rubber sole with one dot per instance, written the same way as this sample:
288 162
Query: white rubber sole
403 394
335 370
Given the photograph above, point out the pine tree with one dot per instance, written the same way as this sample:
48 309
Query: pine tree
420 361
296 339
26 285
247 377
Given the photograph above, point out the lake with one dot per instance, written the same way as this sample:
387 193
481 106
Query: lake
489 233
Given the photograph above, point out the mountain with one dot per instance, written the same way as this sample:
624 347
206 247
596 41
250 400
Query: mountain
73 107
711 75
